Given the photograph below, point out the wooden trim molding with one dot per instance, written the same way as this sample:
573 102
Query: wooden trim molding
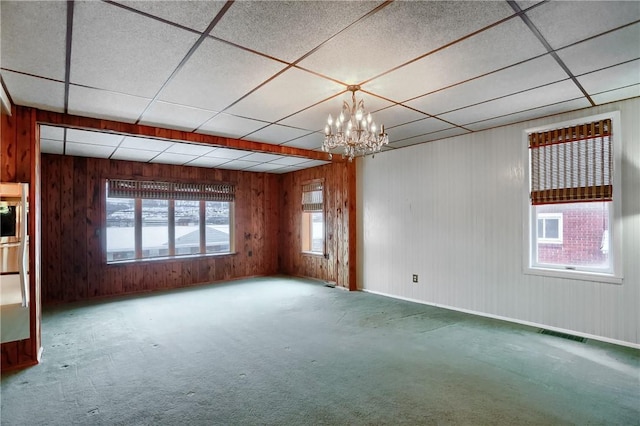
73 121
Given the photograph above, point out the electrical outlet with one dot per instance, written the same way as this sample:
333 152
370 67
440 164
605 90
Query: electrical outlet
415 278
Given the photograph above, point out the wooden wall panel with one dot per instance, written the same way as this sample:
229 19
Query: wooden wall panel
340 199
74 238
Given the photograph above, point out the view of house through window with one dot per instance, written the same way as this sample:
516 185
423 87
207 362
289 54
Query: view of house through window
139 228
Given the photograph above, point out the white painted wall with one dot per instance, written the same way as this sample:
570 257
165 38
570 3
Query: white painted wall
451 211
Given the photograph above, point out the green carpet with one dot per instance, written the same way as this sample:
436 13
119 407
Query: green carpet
281 351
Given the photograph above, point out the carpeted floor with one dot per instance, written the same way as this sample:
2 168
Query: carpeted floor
283 351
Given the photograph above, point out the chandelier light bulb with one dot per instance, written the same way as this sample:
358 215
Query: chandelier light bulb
373 127
341 118
330 120
369 119
359 115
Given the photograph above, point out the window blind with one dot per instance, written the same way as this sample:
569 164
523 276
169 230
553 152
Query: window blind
122 188
573 164
312 197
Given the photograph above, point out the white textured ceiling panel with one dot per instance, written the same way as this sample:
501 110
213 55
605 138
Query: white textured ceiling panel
565 22
238 165
289 161
217 75
93 138
34 92
103 104
312 141
616 95
492 86
419 127
612 78
156 145
535 98
530 114
84 150
190 149
192 14
446 133
498 47
52 132
273 101
181 117
396 115
262 157
172 158
287 29
398 33
207 162
613 48
276 134
51 146
227 153
122 51
230 126
22 30
133 154
264 167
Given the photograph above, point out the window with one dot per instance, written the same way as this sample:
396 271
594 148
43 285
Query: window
573 201
312 231
163 219
549 228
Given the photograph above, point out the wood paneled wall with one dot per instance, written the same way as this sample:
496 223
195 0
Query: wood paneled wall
73 210
20 162
340 216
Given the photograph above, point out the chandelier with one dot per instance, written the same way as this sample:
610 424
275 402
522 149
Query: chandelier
354 131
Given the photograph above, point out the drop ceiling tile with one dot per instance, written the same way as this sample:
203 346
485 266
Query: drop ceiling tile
207 162
611 78
227 125
273 102
192 14
313 163
613 48
276 134
288 169
51 146
504 45
271 27
238 165
535 98
315 118
395 116
133 154
190 149
229 154
34 92
264 167
546 110
93 138
310 141
501 83
446 133
617 95
217 75
262 157
289 161
173 116
398 33
172 158
115 49
107 105
156 145
415 128
35 49
576 19
86 150
52 132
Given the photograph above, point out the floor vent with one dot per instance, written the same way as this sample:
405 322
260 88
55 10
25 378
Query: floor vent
563 335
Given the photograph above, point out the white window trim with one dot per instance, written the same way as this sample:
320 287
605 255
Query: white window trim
615 275
558 217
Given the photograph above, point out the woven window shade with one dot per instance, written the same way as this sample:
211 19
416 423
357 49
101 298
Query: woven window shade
121 188
573 164
312 197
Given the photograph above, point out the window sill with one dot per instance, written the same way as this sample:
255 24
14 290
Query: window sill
313 253
169 259
574 275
